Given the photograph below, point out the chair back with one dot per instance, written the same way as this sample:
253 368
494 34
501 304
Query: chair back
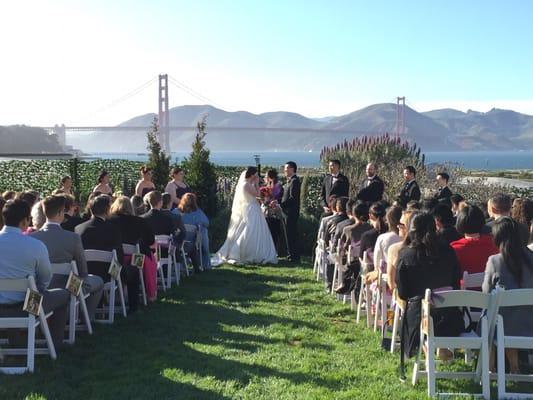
100 255
64 268
472 280
130 249
163 240
15 285
457 298
515 297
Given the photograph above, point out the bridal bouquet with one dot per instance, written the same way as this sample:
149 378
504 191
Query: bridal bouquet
270 210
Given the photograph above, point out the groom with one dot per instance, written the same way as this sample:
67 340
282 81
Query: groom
290 204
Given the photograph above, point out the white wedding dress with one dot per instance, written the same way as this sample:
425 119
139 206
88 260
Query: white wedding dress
249 240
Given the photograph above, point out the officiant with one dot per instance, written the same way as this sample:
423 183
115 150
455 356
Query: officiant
335 184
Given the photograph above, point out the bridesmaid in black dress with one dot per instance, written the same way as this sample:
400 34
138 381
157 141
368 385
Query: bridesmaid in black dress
145 185
176 187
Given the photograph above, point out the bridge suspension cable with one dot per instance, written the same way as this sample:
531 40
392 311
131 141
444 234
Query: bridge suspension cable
119 100
192 92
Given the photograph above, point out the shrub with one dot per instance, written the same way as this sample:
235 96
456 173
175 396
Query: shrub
158 161
201 174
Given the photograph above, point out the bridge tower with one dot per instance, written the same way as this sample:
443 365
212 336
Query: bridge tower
400 116
164 131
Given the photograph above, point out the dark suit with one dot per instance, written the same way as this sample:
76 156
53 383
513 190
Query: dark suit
371 190
337 186
290 204
71 222
63 247
443 195
409 192
522 229
134 230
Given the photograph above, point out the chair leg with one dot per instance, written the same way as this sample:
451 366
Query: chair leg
430 362
111 308
121 294
72 320
46 332
176 270
368 296
143 287
334 280
501 359
85 312
484 354
395 328
360 302
30 357
169 273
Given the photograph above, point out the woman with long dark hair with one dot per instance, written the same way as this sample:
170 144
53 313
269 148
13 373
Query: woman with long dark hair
512 269
145 185
177 187
377 219
425 262
103 186
66 185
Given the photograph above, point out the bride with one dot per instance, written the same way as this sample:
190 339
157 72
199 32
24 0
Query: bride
249 240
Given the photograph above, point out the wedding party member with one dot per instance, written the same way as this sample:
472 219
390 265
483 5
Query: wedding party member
290 204
444 193
273 216
177 187
193 215
334 183
23 256
248 240
63 247
512 268
474 249
425 262
135 230
372 188
103 186
145 185
66 185
410 190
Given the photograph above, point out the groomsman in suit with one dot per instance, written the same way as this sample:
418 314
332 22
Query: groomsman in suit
372 188
290 204
410 190
444 193
335 184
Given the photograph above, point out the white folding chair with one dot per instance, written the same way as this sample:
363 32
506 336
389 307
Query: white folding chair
471 282
28 322
165 242
320 259
110 287
76 302
470 340
398 313
511 298
129 250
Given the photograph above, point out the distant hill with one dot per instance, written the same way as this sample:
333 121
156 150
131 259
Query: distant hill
433 130
26 139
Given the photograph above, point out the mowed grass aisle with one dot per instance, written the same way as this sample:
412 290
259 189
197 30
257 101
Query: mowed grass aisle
233 333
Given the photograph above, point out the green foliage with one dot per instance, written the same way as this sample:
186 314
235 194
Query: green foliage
158 161
201 175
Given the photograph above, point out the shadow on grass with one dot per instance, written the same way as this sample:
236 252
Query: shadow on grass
178 346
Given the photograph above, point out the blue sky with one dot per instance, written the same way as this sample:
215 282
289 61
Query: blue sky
317 58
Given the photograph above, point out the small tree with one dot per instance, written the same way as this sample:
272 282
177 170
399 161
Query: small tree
201 175
158 161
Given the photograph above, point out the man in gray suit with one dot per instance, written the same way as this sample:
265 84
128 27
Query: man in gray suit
65 246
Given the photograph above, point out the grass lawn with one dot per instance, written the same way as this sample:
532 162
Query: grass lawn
233 333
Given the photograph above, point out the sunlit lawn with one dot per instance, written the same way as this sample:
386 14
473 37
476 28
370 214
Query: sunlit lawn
232 333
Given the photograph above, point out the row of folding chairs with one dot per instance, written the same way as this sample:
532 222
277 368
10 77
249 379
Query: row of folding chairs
383 308
78 313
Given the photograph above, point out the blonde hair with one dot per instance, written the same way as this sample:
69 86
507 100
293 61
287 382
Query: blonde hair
122 205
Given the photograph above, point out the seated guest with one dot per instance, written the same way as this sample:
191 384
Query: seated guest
340 216
103 185
413 205
426 262
474 249
145 185
385 240
37 218
428 204
337 236
135 230
138 205
100 234
193 215
9 195
445 223
372 188
63 247
500 206
23 256
512 269
456 200
394 249
72 219
324 220
377 214
444 193
29 196
522 211
167 205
